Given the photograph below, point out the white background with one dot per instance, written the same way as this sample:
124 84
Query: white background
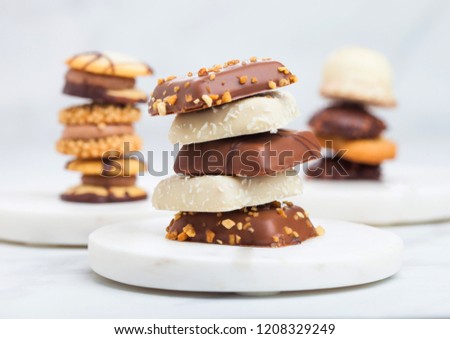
178 36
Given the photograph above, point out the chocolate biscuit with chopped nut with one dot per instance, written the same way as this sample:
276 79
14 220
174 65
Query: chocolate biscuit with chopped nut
274 224
218 85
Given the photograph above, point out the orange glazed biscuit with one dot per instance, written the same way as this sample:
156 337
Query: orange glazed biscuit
96 148
364 151
107 167
358 74
109 63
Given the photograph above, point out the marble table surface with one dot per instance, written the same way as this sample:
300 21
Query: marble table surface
43 282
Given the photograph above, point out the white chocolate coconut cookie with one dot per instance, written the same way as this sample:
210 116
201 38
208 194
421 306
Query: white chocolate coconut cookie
223 193
358 74
261 113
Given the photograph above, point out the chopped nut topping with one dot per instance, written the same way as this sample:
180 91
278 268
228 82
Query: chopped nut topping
214 96
176 89
275 238
238 239
293 78
253 59
177 216
189 74
218 102
187 84
254 80
231 239
226 97
208 101
219 241
288 203
281 69
254 208
287 230
188 97
272 85
301 215
295 217
202 72
295 234
165 92
196 101
243 79
208 89
189 230
239 226
171 235
247 219
170 77
161 81
228 223
219 214
251 229
320 230
276 203
231 63
281 212
161 108
247 225
171 100
182 236
215 68
283 82
212 76
210 236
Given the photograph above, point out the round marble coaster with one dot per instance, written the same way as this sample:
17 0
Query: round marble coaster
405 195
136 253
41 218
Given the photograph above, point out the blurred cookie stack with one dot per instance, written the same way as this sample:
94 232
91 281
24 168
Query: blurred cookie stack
235 162
354 78
100 134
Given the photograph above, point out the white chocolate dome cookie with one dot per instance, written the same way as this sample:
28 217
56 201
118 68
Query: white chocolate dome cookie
358 74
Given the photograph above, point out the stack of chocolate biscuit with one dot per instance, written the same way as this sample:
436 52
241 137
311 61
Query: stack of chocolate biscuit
235 162
354 78
100 134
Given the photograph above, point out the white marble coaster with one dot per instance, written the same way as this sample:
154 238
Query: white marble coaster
406 194
136 253
41 218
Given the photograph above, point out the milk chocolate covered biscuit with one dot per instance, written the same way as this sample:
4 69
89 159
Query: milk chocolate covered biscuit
105 96
341 169
99 194
270 225
248 155
108 181
218 85
347 120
